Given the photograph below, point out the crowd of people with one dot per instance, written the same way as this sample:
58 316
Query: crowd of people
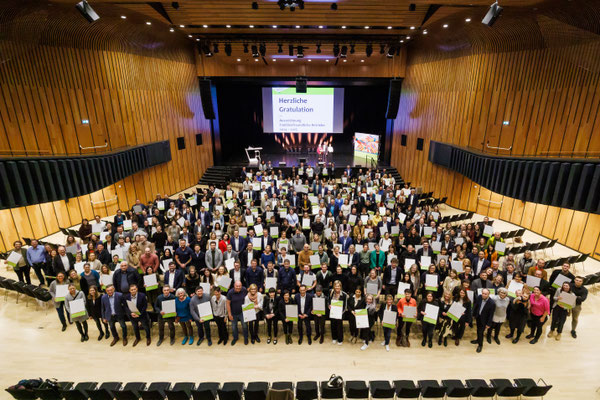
298 250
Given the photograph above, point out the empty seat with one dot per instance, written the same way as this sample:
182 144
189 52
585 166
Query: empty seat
480 388
48 392
180 391
231 391
256 391
431 389
381 390
79 391
506 388
307 390
282 385
131 391
206 391
532 389
357 390
455 388
105 391
406 389
331 392
156 391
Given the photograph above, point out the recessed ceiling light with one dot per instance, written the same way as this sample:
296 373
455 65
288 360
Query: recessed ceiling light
445 25
274 26
227 26
326 60
291 60
251 26
182 26
343 26
123 17
274 60
171 30
205 26
148 23
425 32
389 27
309 60
401 41
320 26
189 35
256 59
366 27
362 60
239 59
297 26
345 60
408 37
412 28
197 39
468 20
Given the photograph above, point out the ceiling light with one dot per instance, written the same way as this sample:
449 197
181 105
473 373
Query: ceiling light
366 27
297 26
401 41
239 59
197 39
362 60
148 23
412 28
291 59
274 59
326 60
309 60
274 26
205 26
256 59
182 26
190 36
227 26
171 30
345 60
251 26
408 37
320 26
425 32
445 25
467 19
123 17
343 26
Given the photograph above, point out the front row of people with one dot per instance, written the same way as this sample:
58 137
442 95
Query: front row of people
447 316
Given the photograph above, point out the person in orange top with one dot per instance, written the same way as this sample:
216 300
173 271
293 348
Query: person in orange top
540 264
407 300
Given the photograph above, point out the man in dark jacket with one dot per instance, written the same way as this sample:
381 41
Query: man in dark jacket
483 311
124 277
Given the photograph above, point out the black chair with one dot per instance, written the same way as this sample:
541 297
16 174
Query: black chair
256 391
573 259
80 391
406 389
46 392
156 391
431 389
29 290
282 385
105 391
131 391
42 294
331 393
181 391
22 394
506 388
455 388
532 389
480 388
231 391
206 391
307 390
357 390
381 390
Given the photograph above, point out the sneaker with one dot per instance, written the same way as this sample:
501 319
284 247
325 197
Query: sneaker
209 343
383 343
551 333
191 341
340 343
364 346
334 341
184 341
387 347
558 336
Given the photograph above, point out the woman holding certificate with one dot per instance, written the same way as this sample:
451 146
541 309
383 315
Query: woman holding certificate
467 318
517 313
562 308
366 334
286 300
355 302
427 322
58 289
337 305
75 305
539 307
93 305
255 297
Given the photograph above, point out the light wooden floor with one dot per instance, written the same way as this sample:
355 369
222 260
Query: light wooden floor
33 346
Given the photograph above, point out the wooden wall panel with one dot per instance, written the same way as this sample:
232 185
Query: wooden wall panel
134 85
545 82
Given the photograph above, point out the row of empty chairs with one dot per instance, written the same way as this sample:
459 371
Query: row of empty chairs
32 291
303 390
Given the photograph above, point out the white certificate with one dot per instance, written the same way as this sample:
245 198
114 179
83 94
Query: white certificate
79 267
315 261
402 286
270 282
229 264
305 223
292 259
205 287
127 225
533 281
362 318
455 311
458 266
249 220
436 247
274 231
77 308
133 307
258 229
488 230
61 292
513 286
181 221
372 288
160 205
97 228
431 313
205 311
409 263
168 307
425 262
567 300
257 243
500 247
224 282
337 309
427 231
307 280
106 280
431 282
249 312
319 305
389 318
343 260
560 279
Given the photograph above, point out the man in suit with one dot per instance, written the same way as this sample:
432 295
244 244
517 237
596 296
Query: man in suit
304 303
413 198
140 316
124 277
113 311
63 261
248 255
255 275
188 214
324 277
272 190
483 311
424 251
213 257
229 253
391 276
205 217
346 242
238 243
482 282
294 199
481 264
238 273
103 255
174 277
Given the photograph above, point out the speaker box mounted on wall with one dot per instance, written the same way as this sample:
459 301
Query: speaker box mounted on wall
198 139
393 98
181 143
403 140
206 97
301 84
87 11
492 15
420 142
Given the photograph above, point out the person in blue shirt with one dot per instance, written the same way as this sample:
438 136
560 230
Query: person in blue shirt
286 278
184 316
36 257
255 275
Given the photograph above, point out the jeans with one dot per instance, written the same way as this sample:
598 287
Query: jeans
61 313
135 322
387 335
234 326
112 322
38 268
23 274
203 330
575 316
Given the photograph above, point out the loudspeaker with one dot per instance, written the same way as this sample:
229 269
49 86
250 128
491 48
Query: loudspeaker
393 98
181 143
403 140
198 139
301 85
420 142
206 97
87 11
492 15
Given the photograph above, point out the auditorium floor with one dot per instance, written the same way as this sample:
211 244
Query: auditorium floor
33 346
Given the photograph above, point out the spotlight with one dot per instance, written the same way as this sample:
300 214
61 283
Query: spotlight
334 6
279 48
254 51
262 49
336 50
398 51
390 52
87 11
412 7
216 48
300 53
492 15
344 51
369 50
206 50
318 48
382 49
291 50
255 5
292 8
175 5
228 49
245 47
351 49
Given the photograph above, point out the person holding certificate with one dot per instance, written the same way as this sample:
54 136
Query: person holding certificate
444 326
539 308
426 327
338 299
165 300
218 304
282 315
518 313
561 309
483 312
75 305
270 303
355 302
366 334
202 324
235 300
113 311
255 297
502 302
319 313
387 331
404 320
458 327
93 306
58 289
136 306
581 294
